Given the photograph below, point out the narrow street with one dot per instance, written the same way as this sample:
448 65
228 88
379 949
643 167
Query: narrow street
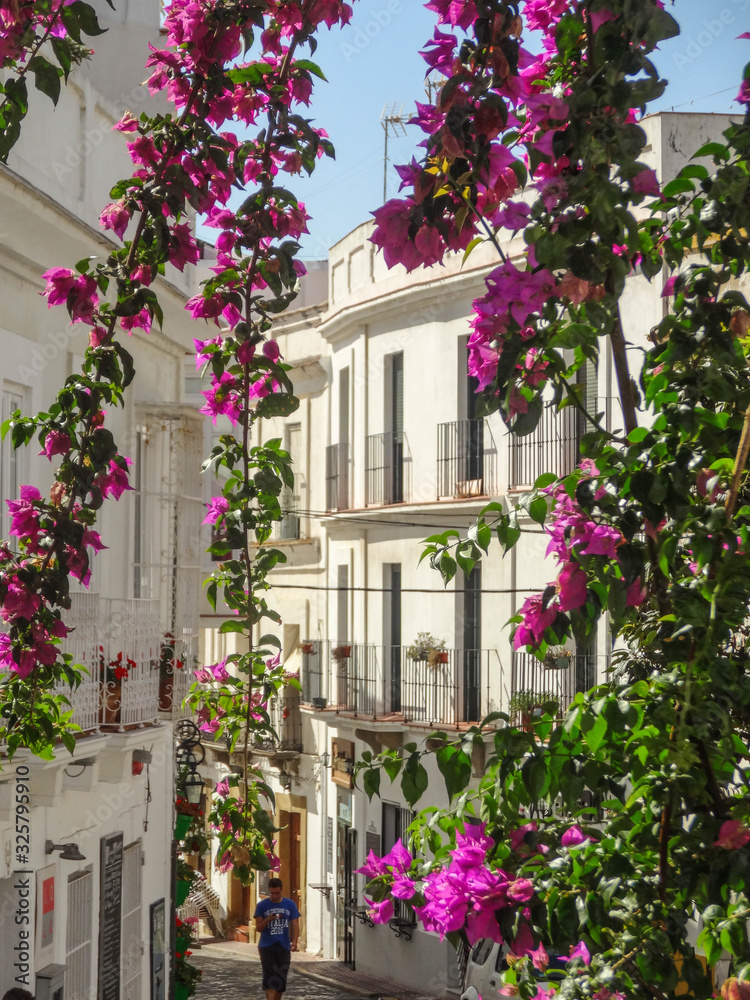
233 978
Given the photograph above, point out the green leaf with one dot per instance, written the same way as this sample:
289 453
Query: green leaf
455 767
595 736
371 782
538 510
414 780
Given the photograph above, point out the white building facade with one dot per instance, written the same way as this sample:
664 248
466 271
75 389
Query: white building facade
388 450
94 911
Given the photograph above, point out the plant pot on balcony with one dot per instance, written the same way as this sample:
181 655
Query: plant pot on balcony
111 701
319 703
308 647
182 891
441 656
342 652
181 826
181 991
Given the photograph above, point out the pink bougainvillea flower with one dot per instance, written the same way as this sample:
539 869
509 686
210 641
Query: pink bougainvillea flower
582 952
732 835
381 913
115 482
636 593
56 443
217 506
571 587
574 836
536 620
645 182
398 857
372 867
539 957
115 217
523 942
483 924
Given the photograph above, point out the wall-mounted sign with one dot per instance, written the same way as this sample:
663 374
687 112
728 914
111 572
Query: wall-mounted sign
329 844
45 915
110 915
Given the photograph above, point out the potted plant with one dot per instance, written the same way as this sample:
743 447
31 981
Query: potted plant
187 813
557 658
308 647
427 649
185 878
111 675
528 704
342 652
186 976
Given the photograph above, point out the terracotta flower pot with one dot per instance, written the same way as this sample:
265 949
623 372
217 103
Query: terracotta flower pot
111 696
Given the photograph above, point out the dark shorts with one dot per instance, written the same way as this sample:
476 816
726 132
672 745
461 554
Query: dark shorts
275 961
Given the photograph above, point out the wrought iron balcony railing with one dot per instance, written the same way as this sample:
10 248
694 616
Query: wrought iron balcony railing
385 468
463 466
337 477
552 447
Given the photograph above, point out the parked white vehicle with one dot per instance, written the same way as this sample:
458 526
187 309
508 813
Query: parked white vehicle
484 971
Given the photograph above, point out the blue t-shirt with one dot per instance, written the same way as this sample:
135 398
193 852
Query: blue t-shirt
277 932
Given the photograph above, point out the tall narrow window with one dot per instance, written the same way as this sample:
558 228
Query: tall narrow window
342 610
392 634
10 460
472 644
289 527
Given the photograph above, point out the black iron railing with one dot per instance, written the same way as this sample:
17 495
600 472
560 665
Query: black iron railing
556 679
552 447
313 670
445 687
337 477
356 676
385 468
461 460
286 720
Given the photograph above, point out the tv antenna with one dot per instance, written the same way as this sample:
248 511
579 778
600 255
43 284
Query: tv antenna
393 122
433 84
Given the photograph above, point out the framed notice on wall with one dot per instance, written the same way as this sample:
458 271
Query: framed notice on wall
45 915
110 916
158 936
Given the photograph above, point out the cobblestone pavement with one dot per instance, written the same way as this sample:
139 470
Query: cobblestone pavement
234 978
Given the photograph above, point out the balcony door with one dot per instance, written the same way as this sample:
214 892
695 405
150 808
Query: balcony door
392 635
394 439
471 632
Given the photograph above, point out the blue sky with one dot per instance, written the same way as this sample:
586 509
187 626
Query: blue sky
375 62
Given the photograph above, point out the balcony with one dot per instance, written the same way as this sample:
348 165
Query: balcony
337 477
108 633
552 447
466 463
534 682
451 688
287 723
385 468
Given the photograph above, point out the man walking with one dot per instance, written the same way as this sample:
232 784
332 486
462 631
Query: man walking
277 921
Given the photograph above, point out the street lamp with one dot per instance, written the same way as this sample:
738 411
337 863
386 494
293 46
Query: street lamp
193 787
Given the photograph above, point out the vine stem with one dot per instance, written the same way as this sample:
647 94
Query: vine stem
86 434
740 461
246 419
